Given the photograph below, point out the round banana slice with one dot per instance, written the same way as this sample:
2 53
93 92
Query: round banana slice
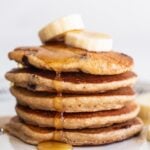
144 101
91 41
58 28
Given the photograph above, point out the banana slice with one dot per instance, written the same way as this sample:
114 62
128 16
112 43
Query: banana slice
144 101
148 133
58 28
91 41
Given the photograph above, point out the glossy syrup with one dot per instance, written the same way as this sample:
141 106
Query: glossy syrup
54 146
57 102
58 121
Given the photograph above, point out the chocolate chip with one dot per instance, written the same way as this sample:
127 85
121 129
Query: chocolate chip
25 60
33 76
31 86
83 56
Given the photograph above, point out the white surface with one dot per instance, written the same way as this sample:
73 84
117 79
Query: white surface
127 20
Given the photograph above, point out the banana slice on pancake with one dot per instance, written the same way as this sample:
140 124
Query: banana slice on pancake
57 29
92 41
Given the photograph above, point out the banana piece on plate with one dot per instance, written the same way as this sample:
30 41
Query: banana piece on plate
148 133
144 101
57 29
91 41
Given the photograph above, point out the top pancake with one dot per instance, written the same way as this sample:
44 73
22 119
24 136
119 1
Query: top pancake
61 58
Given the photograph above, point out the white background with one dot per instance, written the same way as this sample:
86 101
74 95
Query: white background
128 21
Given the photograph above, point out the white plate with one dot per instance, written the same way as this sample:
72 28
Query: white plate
7 142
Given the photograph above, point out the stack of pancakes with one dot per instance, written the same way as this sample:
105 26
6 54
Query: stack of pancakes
73 95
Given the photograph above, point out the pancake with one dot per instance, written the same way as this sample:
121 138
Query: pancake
61 58
74 103
40 80
77 120
34 135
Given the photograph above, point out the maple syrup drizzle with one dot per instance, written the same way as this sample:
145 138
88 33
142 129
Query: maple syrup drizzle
58 103
59 118
57 100
51 145
58 135
50 57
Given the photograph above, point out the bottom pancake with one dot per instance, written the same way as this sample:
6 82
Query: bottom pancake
34 135
77 120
